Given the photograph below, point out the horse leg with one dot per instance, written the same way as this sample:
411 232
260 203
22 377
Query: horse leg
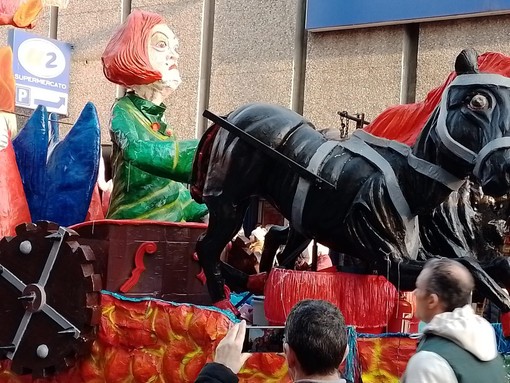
235 279
402 274
225 220
275 237
296 243
485 284
240 281
499 269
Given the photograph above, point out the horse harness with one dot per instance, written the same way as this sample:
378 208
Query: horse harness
455 147
360 144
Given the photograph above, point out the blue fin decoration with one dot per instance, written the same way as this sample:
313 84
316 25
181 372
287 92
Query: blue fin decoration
31 149
69 166
72 170
53 135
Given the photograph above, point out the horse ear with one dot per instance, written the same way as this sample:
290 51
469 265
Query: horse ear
467 62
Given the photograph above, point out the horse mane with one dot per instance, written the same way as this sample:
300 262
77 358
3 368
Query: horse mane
405 122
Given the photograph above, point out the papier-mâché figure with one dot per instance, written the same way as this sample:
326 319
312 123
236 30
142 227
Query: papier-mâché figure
149 164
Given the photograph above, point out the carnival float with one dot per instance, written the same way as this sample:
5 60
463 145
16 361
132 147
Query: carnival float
139 277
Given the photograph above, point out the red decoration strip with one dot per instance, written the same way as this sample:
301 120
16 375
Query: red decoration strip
505 323
367 301
153 341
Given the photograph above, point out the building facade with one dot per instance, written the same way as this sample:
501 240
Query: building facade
237 51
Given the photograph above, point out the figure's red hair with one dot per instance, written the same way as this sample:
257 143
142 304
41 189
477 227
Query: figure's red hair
125 58
405 122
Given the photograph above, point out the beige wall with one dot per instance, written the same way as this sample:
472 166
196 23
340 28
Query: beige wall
441 42
252 54
252 58
88 25
357 71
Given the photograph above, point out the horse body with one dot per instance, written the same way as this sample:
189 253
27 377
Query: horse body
381 186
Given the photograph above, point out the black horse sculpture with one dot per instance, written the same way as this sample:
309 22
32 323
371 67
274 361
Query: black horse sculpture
381 186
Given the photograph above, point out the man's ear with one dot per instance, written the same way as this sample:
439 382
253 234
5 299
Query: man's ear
432 301
345 353
290 355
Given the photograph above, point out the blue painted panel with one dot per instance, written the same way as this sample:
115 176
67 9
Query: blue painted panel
59 176
342 14
41 70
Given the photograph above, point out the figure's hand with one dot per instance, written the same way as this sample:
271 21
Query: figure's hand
229 350
7 124
4 133
4 139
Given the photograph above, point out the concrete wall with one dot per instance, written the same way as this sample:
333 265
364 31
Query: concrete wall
252 53
252 58
441 42
357 71
88 25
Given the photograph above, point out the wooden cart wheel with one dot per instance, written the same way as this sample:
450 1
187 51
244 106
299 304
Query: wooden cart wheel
49 299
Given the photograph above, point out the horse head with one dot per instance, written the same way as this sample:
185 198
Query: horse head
473 125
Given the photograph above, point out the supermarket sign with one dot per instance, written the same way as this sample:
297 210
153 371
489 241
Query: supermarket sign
41 71
325 15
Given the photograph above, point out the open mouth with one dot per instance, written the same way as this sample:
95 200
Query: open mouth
171 67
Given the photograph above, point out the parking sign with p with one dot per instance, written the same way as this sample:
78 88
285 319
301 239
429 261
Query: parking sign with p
41 71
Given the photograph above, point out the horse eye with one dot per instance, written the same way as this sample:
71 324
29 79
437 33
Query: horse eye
478 102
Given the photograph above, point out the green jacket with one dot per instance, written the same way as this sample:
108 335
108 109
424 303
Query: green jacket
466 366
149 165
457 347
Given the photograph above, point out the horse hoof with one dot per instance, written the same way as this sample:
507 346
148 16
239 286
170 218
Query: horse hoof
256 283
225 304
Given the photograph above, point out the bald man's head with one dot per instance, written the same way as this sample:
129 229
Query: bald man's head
450 281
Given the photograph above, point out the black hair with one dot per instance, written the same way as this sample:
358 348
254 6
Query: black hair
317 334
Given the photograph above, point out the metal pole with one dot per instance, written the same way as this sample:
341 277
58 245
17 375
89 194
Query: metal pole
206 47
124 13
299 60
409 63
53 30
125 10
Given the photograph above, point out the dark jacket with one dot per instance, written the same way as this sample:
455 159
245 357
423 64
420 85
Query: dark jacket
216 373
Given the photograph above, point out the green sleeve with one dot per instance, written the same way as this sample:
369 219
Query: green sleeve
169 158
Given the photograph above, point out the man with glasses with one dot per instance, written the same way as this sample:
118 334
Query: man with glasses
457 345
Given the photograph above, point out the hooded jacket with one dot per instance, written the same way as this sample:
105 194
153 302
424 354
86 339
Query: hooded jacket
468 331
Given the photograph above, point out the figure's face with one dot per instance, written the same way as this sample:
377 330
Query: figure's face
163 55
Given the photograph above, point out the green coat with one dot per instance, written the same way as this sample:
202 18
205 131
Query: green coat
149 165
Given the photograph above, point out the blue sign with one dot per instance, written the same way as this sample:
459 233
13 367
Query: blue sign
323 15
41 71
